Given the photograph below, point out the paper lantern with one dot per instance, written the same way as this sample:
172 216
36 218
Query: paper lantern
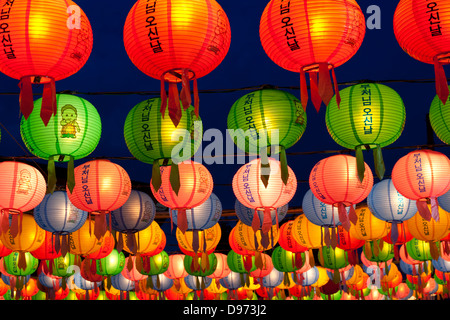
12 266
145 242
49 45
421 32
47 250
368 227
255 241
267 118
265 269
240 263
121 283
245 214
203 267
370 116
194 188
439 119
334 180
423 175
177 41
83 242
286 261
233 280
23 188
252 192
419 250
306 233
73 133
155 264
312 37
112 264
101 186
222 269
287 240
208 239
56 214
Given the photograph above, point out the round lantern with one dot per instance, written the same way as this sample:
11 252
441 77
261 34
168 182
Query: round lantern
267 118
257 193
23 188
136 214
370 116
37 56
194 187
56 214
287 240
421 31
148 241
155 264
257 241
306 233
199 243
112 264
386 203
12 266
313 37
121 283
334 180
419 250
240 263
368 227
151 137
423 175
176 267
203 267
439 119
286 261
73 133
222 269
47 250
245 214
101 186
83 242
177 41
203 216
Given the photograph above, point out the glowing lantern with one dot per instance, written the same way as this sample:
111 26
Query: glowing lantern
82 242
46 251
313 37
334 180
252 192
421 33
56 214
176 267
439 119
245 214
255 241
121 283
423 175
100 187
267 118
286 261
148 241
155 264
12 266
188 40
419 250
207 268
194 188
49 45
287 240
368 227
333 258
265 269
136 214
240 263
370 116
306 233
222 269
73 133
110 265
23 188
208 240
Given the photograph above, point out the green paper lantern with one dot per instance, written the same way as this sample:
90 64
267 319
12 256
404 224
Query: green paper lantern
440 119
112 264
201 269
286 261
378 251
419 250
11 264
235 262
63 266
267 118
151 137
370 116
333 258
158 263
72 133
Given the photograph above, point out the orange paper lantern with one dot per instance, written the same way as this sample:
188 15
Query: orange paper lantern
312 36
423 175
177 41
48 41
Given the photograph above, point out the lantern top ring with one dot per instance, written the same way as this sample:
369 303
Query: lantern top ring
38 79
176 75
314 67
443 57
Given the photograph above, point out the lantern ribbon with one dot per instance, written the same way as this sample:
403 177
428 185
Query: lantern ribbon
284 166
352 215
26 96
265 168
315 97
163 95
360 162
394 232
343 217
434 208
267 221
48 108
256 223
185 94
182 223
100 224
325 86
423 209
51 176
442 90
174 104
71 174
196 99
174 178
303 89
156 175
379 162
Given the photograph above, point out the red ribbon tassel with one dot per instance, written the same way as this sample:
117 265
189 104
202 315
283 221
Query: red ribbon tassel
343 217
267 221
185 94
48 108
182 223
163 99
303 89
423 209
256 224
174 104
434 209
336 88
196 99
441 81
26 96
325 85
315 97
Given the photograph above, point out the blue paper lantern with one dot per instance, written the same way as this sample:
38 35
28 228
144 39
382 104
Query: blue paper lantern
444 201
273 279
233 280
160 282
121 283
197 282
320 213
245 214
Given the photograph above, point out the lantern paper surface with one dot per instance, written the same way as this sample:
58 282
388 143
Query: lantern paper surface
440 119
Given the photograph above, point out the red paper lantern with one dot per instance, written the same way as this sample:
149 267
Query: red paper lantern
22 188
100 187
423 175
421 30
334 181
312 36
48 40
195 187
177 41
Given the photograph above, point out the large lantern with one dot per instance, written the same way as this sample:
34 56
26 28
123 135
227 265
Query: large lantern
46 41
423 175
151 137
195 187
440 119
56 214
252 192
177 41
73 133
313 37
23 188
334 180
267 118
421 31
370 116
100 187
